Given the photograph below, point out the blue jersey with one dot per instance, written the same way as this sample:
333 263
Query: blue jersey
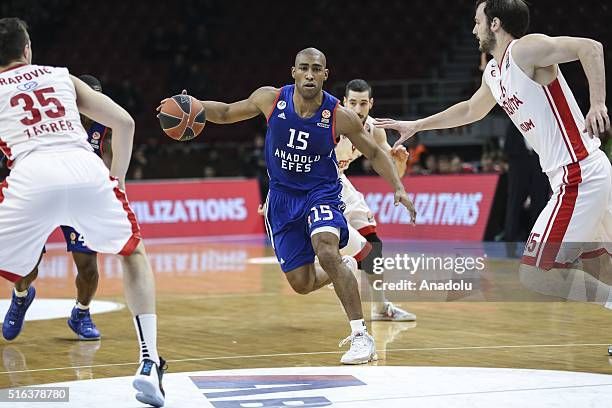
95 137
300 152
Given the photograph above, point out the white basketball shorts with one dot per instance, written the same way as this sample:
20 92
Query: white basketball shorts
357 212
48 189
577 221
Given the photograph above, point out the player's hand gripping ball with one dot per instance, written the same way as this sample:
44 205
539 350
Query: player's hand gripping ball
182 117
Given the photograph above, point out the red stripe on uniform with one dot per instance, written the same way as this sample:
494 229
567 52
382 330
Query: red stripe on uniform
132 243
569 123
370 229
13 67
552 108
10 276
7 152
594 254
274 105
550 219
3 185
563 218
365 251
528 260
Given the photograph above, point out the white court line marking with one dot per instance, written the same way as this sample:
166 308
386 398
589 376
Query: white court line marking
312 353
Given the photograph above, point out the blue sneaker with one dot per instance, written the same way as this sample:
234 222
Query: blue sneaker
80 322
13 321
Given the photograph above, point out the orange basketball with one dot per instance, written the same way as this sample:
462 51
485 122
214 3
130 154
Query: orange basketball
182 117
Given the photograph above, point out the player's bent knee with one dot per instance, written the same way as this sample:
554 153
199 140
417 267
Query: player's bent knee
328 256
300 287
300 281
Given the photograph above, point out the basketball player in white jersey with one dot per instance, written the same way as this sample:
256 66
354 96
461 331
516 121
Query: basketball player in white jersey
358 98
573 233
56 179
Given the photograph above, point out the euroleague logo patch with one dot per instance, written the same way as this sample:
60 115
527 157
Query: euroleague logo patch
326 114
28 86
96 135
281 105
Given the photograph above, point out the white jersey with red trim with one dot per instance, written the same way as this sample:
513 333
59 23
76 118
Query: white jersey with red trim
346 153
547 116
38 112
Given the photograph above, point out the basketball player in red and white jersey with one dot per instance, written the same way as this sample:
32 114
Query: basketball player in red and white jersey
57 179
573 233
358 98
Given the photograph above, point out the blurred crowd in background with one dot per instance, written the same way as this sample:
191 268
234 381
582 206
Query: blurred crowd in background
224 50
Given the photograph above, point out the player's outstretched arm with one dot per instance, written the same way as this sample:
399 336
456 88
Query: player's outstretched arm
399 155
260 101
104 110
462 113
349 125
539 51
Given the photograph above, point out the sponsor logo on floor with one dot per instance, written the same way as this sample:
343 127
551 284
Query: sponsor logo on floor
360 387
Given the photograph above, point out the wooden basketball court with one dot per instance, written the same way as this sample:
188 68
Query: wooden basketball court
222 306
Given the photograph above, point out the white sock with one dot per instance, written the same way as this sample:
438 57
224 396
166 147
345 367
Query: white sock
358 326
81 306
146 330
21 294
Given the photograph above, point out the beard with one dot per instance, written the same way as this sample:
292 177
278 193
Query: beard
488 44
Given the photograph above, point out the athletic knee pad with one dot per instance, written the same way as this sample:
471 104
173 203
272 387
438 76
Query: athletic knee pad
367 264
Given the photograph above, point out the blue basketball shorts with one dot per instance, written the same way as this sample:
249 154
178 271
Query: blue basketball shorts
75 241
291 220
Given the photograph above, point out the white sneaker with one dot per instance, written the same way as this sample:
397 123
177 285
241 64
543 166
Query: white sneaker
610 350
392 313
148 381
362 351
351 263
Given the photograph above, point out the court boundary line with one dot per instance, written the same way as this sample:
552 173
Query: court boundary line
313 353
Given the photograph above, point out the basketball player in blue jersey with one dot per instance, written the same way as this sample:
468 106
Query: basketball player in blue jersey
304 215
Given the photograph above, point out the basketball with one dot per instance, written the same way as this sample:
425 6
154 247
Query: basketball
182 117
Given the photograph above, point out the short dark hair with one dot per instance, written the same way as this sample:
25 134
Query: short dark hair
358 85
92 81
13 37
513 14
